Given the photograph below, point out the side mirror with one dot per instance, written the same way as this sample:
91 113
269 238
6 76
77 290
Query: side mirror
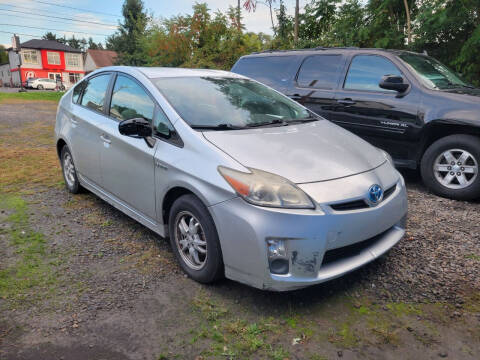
137 127
394 82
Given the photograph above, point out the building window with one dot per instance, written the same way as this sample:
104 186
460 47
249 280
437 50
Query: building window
30 56
53 58
73 60
73 77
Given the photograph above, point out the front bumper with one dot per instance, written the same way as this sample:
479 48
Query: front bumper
321 244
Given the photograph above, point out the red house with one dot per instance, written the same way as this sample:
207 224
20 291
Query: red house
47 59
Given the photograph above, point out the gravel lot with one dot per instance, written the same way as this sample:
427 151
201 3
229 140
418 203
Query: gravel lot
122 296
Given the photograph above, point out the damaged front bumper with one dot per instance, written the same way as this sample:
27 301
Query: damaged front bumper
320 244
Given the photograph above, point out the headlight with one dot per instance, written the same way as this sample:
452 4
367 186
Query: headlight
266 189
387 156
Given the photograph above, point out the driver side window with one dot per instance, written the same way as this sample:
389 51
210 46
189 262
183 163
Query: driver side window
366 71
130 101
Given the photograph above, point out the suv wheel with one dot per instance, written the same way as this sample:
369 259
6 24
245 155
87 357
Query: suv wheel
450 167
40 87
194 239
69 171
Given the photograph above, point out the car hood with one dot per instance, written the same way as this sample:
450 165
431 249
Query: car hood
303 153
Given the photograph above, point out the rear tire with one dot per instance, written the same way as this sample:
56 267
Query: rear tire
450 167
69 171
40 87
194 239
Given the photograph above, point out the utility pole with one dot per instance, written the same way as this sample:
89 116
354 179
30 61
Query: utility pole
295 34
238 15
16 47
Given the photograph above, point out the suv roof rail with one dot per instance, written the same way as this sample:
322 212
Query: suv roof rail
315 48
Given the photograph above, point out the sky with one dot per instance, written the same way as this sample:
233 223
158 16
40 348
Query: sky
98 18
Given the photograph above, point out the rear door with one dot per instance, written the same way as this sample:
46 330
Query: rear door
87 117
383 117
316 81
127 163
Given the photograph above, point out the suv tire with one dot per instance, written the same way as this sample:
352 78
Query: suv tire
450 167
195 243
69 171
40 87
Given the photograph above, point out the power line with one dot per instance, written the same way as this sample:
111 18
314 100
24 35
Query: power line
74 8
11 33
51 21
59 17
42 28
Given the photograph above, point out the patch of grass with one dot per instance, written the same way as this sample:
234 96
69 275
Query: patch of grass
32 96
473 257
209 308
28 158
32 276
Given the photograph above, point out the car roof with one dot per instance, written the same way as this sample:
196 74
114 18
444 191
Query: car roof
168 72
318 50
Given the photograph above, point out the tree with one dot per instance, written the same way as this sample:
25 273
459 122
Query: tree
92 45
251 5
3 55
127 41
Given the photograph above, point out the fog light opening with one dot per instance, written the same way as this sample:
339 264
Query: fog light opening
279 266
277 256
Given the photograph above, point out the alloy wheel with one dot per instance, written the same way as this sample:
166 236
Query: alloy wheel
455 169
69 170
190 240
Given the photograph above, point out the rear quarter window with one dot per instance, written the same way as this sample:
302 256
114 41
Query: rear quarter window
320 71
274 71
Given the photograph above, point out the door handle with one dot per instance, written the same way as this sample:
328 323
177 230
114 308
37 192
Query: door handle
73 120
105 139
346 101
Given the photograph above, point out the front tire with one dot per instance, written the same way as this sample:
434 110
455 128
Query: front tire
450 167
194 239
69 171
40 87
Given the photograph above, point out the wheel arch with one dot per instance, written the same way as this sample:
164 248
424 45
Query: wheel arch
60 144
439 129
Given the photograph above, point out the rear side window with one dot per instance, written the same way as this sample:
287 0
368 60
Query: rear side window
270 70
130 101
319 71
95 92
366 71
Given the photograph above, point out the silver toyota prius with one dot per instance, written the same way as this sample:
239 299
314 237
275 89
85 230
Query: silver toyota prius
245 182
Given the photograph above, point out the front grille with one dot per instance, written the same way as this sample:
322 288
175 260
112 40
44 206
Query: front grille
352 205
360 204
389 192
350 250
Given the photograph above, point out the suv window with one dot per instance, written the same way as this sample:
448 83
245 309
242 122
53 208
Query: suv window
270 70
366 71
129 100
319 71
95 91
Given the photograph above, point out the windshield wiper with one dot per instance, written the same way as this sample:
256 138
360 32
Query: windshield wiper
273 122
217 127
304 120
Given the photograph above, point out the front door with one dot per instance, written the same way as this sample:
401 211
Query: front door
127 163
86 120
382 117
315 84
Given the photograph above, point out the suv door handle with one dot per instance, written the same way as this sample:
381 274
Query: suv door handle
105 139
74 120
346 101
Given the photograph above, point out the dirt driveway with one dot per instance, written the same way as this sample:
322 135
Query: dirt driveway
80 280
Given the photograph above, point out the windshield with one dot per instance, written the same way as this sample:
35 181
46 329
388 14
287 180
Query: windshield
433 73
229 103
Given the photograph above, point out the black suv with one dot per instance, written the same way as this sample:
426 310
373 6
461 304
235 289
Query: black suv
406 103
